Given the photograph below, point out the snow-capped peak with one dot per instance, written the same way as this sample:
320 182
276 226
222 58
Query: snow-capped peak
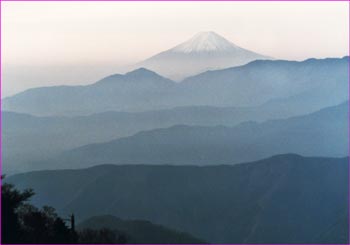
205 42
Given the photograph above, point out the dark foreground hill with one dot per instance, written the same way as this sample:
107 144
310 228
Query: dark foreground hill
282 199
138 231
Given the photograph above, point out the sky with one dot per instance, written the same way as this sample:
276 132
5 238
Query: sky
55 43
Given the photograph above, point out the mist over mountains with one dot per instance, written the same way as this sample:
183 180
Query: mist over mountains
202 145
56 134
318 82
177 142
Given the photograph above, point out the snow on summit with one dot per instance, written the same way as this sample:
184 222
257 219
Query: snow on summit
205 42
204 51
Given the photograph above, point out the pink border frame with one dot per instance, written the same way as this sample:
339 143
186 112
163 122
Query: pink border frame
180 1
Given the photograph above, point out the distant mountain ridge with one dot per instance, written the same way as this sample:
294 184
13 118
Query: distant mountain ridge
282 199
324 82
323 133
55 134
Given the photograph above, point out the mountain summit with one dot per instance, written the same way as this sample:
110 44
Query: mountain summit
205 42
204 51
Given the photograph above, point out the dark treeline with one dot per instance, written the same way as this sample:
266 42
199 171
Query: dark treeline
25 223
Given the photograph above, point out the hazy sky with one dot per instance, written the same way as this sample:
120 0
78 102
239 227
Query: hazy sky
48 43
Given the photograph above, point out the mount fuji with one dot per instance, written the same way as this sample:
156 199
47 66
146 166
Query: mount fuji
204 51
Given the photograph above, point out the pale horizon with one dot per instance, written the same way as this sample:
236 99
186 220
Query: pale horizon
93 40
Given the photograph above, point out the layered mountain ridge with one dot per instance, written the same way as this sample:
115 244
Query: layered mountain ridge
203 145
317 82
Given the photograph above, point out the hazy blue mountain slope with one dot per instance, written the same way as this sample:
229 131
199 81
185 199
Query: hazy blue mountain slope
116 92
30 138
324 81
323 133
263 80
282 199
139 231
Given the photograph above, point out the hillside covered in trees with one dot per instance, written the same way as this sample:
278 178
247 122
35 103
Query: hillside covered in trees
282 199
26 224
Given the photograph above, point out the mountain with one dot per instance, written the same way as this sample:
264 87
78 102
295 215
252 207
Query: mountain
303 84
323 133
31 138
204 51
139 231
282 199
116 92
308 85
